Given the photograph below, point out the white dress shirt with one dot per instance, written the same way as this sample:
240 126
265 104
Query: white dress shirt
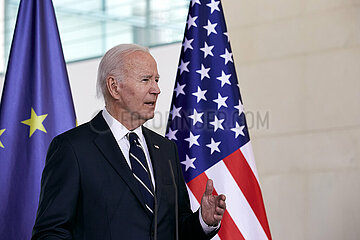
120 133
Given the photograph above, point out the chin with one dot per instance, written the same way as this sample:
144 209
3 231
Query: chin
149 116
146 116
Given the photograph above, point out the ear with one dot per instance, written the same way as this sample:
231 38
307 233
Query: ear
112 87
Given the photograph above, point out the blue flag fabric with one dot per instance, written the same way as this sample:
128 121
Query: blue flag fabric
36 105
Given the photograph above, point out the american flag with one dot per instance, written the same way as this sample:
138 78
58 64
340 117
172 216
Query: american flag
207 122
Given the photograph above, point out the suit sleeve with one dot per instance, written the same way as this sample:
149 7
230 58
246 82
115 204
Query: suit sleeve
59 192
189 224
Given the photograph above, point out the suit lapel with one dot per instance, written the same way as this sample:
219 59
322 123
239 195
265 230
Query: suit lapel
107 144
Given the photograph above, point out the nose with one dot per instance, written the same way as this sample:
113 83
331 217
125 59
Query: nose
155 88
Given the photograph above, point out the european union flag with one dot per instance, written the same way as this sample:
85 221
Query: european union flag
36 105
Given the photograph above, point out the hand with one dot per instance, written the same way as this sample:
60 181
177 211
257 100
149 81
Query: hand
212 207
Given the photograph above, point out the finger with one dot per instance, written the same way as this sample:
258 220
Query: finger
209 187
218 217
219 211
221 204
222 197
220 201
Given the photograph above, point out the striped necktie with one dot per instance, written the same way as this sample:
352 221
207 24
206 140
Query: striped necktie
141 171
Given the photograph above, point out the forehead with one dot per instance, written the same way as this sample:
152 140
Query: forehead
141 64
140 58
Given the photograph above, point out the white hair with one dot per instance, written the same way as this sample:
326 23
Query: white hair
113 64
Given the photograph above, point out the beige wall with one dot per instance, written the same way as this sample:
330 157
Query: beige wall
299 61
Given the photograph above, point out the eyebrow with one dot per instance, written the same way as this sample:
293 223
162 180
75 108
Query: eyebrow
149 76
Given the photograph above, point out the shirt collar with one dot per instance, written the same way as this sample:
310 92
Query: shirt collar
117 128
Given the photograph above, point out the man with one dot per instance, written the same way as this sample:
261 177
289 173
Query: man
112 178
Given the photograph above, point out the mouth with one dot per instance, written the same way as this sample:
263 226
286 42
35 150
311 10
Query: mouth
150 104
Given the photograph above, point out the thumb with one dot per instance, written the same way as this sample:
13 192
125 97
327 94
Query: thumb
209 187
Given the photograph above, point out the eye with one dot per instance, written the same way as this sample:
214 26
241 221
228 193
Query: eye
145 79
157 80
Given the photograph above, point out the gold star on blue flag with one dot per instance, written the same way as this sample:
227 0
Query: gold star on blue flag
31 117
1 132
35 122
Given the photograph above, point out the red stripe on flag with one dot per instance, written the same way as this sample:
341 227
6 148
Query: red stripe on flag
247 182
197 186
228 229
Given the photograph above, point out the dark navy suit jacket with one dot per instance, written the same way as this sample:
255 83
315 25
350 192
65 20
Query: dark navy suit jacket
88 190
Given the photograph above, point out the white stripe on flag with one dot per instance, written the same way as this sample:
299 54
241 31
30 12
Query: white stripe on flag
216 237
249 156
236 204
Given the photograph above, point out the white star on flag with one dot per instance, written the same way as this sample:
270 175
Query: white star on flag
196 117
210 28
200 94
227 35
191 21
240 108
175 112
207 50
195 1
171 134
179 89
220 101
217 123
183 67
187 44
189 162
214 146
224 78
204 72
214 5
227 56
238 130
192 140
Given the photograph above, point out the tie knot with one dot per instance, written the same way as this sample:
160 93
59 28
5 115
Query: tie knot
133 138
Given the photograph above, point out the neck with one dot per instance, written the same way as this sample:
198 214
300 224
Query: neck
125 118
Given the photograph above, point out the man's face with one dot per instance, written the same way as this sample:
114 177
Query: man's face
138 88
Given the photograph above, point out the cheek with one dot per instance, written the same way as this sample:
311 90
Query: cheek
134 95
140 93
127 91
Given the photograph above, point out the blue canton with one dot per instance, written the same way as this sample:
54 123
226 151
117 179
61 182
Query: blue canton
206 121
